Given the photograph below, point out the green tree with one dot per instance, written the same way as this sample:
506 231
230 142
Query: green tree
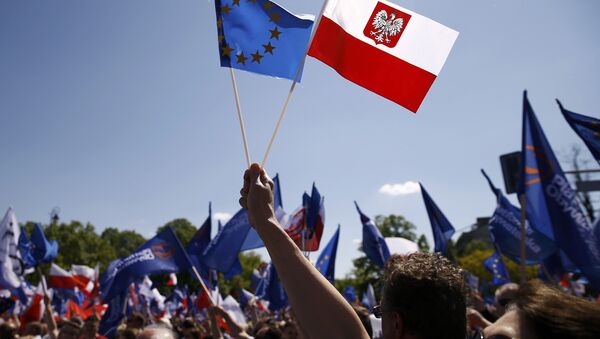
123 242
184 229
473 263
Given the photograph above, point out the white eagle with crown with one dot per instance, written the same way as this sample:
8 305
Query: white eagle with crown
385 27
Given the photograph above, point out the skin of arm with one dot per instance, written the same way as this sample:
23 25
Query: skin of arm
319 307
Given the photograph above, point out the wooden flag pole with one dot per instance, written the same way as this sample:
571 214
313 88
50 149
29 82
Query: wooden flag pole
240 117
289 95
523 236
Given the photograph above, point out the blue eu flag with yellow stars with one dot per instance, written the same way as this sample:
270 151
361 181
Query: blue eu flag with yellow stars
495 264
587 128
326 262
261 37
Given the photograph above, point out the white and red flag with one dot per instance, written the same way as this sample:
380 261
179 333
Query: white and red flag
383 47
60 278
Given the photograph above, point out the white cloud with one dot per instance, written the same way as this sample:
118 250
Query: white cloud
408 187
222 216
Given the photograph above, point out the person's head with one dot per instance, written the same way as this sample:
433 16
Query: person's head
135 321
540 311
156 333
69 329
34 328
90 328
424 297
363 315
7 330
125 333
268 332
505 295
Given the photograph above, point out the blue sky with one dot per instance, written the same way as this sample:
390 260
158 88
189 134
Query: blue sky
118 112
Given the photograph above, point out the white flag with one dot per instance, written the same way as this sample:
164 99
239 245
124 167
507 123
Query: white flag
11 265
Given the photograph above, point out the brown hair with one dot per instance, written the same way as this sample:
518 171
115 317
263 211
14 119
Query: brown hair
555 314
363 315
429 293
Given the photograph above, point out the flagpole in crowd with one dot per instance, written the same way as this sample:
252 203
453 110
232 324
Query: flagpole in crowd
292 87
523 235
240 116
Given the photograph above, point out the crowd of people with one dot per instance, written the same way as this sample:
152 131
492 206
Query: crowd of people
424 296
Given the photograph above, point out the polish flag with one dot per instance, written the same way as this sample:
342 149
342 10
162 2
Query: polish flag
383 47
35 311
60 278
86 276
172 280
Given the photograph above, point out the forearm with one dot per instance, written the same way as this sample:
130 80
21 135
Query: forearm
318 306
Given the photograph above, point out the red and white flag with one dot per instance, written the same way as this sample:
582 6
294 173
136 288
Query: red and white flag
60 278
383 47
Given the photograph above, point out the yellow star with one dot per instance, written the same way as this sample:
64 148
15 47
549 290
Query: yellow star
219 22
221 38
226 51
274 17
252 1
268 5
597 134
275 33
256 57
241 59
226 9
269 48
236 2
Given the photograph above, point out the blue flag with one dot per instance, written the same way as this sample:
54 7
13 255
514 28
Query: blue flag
373 243
587 128
551 204
43 251
222 252
272 290
495 264
161 254
326 261
440 226
261 37
554 267
113 315
505 230
26 249
350 294
368 298
253 241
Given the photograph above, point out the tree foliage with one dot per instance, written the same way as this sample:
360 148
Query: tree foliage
184 229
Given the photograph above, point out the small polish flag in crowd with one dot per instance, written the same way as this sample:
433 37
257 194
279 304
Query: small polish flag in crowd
60 278
383 47
172 280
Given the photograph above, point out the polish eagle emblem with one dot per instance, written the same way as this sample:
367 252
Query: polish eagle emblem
385 27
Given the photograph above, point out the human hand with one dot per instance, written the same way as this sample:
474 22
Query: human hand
257 196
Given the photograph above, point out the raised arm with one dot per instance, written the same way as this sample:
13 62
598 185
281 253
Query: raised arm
320 308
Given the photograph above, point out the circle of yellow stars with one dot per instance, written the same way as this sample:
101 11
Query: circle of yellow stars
268 48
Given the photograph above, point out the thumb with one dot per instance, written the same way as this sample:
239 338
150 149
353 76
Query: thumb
255 175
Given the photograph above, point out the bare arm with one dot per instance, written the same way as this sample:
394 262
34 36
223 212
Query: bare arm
319 307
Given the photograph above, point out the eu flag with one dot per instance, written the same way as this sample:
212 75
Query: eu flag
261 37
326 262
373 243
587 128
551 204
440 226
495 264
505 230
43 251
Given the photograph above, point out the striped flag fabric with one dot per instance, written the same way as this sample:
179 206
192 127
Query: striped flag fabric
383 47
60 278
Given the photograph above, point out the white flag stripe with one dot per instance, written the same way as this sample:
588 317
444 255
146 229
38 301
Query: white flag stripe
424 43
